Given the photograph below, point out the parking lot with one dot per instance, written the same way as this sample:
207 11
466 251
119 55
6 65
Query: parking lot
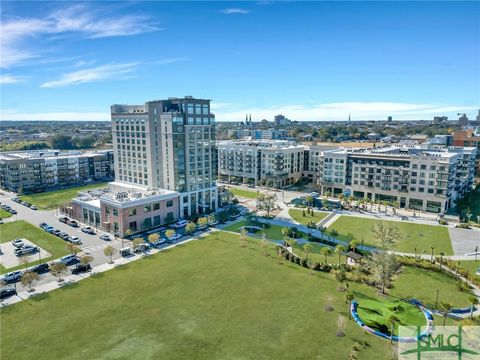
9 259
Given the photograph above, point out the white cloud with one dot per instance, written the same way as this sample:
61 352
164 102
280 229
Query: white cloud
231 11
340 111
65 116
169 61
11 79
76 19
99 73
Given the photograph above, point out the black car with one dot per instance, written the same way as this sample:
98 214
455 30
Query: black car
80 268
7 292
13 212
56 232
43 225
41 268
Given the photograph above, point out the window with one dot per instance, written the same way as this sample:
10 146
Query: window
156 206
115 212
147 223
107 210
169 203
147 208
132 212
156 220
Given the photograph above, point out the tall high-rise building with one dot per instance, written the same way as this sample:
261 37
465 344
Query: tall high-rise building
168 144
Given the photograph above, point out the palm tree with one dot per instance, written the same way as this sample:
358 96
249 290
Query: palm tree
348 299
441 259
153 238
474 301
306 248
445 307
431 257
264 244
311 225
339 249
353 245
326 251
243 237
322 229
72 248
392 319
108 251
291 242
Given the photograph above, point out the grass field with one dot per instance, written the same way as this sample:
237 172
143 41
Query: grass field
297 215
413 235
315 256
423 285
249 194
209 299
471 265
52 199
48 242
4 214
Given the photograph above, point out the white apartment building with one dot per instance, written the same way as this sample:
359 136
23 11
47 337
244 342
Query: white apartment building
278 163
425 178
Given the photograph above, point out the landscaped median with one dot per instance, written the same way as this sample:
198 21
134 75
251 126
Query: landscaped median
52 199
22 229
302 216
244 193
414 236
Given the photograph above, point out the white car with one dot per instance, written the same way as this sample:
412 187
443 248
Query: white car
74 240
180 224
174 237
105 237
18 243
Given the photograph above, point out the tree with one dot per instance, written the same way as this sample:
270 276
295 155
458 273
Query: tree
441 260
309 200
383 267
392 319
339 249
58 269
170 233
29 278
190 228
243 237
474 301
86 260
24 260
266 202
353 245
264 244
72 248
202 222
62 142
311 225
322 229
431 257
348 299
306 248
108 251
153 238
340 326
136 243
285 232
212 219
291 242
326 251
388 235
445 308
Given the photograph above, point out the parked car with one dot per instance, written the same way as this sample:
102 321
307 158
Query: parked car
33 207
15 199
72 223
69 259
159 242
18 243
74 240
27 249
55 232
105 237
7 292
12 277
180 224
41 268
49 229
43 225
80 268
12 211
63 219
88 230
64 236
174 237
234 216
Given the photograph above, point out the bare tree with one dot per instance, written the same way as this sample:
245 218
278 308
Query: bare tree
108 251
340 326
29 279
58 269
24 260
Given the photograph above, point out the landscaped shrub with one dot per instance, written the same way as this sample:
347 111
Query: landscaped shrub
334 232
287 255
463 226
443 222
315 266
298 260
304 263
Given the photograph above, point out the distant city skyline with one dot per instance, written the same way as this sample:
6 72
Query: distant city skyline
306 60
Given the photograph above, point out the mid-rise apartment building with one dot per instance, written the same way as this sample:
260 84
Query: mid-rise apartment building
40 170
468 138
165 166
426 178
275 162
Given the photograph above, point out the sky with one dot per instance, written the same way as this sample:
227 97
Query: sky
68 60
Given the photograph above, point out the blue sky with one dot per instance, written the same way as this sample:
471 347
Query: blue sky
307 60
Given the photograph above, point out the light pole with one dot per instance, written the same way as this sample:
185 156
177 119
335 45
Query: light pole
476 253
436 300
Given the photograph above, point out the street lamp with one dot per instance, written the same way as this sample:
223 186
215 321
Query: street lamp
436 300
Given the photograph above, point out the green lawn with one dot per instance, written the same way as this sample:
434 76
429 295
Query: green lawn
375 312
413 235
4 214
22 229
315 256
423 284
297 215
471 265
208 299
274 232
52 199
249 194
